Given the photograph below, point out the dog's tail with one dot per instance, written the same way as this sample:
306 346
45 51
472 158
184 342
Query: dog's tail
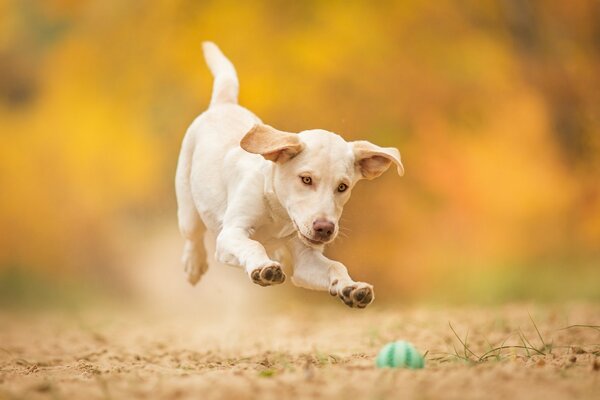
226 85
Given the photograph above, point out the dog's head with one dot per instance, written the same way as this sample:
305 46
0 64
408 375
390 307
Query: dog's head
315 172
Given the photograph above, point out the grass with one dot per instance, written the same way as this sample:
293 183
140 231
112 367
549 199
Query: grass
496 284
596 327
266 373
23 289
527 348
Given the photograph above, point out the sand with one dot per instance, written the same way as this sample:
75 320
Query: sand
298 351
227 338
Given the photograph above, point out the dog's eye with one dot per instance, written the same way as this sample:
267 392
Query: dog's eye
342 187
307 180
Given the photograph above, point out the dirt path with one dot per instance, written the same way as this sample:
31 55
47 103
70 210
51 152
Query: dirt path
327 353
227 338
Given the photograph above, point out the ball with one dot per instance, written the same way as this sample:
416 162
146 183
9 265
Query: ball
400 354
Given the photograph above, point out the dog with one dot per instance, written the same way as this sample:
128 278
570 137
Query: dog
252 196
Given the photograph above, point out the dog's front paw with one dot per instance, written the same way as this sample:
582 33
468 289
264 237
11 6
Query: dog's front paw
270 274
353 294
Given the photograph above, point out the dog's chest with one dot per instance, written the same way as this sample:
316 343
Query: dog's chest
275 229
283 229
278 224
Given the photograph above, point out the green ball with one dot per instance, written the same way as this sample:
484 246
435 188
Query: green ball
400 354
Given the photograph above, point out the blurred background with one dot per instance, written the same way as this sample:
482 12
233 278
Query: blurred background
494 105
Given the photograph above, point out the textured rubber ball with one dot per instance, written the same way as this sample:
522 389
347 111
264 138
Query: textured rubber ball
400 354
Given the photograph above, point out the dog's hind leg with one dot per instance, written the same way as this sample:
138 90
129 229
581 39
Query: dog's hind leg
191 227
194 255
194 260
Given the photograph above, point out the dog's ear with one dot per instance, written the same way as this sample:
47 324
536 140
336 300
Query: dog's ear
274 145
373 160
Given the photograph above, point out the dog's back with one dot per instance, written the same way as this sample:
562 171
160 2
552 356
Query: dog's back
210 149
209 152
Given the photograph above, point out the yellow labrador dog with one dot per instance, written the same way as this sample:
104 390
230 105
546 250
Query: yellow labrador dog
266 197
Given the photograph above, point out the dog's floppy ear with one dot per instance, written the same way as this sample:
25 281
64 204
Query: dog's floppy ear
373 160
274 145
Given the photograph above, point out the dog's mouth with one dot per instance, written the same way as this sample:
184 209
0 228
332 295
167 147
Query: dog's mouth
308 241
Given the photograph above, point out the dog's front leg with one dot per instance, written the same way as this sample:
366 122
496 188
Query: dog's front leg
235 247
312 270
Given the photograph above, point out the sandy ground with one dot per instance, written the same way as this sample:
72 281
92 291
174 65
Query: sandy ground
227 338
299 352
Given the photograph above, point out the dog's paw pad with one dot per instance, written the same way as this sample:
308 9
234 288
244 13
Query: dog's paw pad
332 288
357 295
268 275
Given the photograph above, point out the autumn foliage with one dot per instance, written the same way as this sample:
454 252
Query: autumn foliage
494 105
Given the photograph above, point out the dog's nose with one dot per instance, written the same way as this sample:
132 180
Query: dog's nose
323 228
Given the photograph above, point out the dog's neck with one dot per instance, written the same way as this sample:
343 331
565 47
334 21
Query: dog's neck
271 199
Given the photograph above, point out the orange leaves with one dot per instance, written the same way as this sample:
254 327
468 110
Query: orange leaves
486 182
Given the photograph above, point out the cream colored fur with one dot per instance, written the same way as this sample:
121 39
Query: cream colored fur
248 194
